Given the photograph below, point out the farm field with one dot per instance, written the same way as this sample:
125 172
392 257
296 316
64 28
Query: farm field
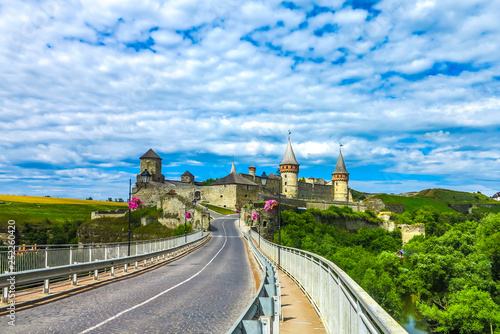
37 210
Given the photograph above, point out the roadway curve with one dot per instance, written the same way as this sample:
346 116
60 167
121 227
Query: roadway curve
203 292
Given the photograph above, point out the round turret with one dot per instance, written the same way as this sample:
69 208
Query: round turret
289 170
340 181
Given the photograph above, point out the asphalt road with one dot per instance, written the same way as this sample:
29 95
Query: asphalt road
204 292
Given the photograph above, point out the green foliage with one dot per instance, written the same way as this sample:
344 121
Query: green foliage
181 230
453 273
441 200
365 255
39 213
208 182
466 311
152 231
222 211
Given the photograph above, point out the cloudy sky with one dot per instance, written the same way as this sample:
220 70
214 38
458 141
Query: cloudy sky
410 88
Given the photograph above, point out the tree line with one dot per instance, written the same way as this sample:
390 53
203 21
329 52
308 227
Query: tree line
452 275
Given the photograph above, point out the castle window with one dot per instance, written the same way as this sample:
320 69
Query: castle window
246 195
221 196
264 224
285 176
285 183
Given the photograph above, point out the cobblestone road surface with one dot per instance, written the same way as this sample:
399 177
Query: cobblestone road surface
186 296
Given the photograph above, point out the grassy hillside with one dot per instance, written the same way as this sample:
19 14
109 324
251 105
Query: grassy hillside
440 199
37 210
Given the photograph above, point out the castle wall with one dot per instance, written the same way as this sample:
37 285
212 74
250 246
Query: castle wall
315 191
355 206
174 213
409 231
221 195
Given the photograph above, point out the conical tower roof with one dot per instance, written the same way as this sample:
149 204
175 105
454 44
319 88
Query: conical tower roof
340 168
150 155
289 158
233 169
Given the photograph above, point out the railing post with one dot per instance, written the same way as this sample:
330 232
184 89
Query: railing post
46 257
113 271
125 267
5 295
105 252
96 275
74 279
90 253
71 255
46 286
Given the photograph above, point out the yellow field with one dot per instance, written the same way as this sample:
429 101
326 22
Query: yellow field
54 200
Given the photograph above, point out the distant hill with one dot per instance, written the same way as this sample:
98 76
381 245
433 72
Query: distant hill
441 199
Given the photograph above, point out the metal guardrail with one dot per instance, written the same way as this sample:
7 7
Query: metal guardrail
100 260
344 307
263 314
33 257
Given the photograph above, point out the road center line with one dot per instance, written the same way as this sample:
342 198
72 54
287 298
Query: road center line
161 293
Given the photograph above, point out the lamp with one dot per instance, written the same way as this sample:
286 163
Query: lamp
263 179
145 177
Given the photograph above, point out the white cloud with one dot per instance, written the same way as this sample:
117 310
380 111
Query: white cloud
75 97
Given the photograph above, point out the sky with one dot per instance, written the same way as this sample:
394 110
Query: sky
410 88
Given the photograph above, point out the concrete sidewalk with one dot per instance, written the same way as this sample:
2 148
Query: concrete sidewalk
299 316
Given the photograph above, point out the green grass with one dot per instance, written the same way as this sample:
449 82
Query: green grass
222 211
440 199
39 213
452 197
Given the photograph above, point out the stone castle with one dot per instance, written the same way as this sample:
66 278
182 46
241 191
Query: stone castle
235 190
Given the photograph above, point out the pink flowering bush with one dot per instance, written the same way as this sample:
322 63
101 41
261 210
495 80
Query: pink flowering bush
255 215
270 205
135 203
188 214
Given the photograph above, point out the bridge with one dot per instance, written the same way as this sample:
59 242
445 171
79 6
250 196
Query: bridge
217 282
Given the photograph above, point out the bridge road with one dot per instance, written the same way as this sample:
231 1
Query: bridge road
203 292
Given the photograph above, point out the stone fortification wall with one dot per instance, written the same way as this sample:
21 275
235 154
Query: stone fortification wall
323 205
221 195
174 213
315 191
244 194
409 231
112 214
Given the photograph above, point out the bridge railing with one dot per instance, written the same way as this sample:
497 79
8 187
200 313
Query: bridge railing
263 314
344 307
55 264
33 257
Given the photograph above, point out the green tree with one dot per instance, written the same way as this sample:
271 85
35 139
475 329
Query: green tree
467 311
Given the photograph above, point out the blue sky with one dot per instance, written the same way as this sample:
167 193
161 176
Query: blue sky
410 88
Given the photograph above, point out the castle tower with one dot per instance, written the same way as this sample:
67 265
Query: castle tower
289 170
187 177
152 162
340 181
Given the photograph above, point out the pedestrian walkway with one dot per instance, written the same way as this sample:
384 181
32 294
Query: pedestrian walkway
299 316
